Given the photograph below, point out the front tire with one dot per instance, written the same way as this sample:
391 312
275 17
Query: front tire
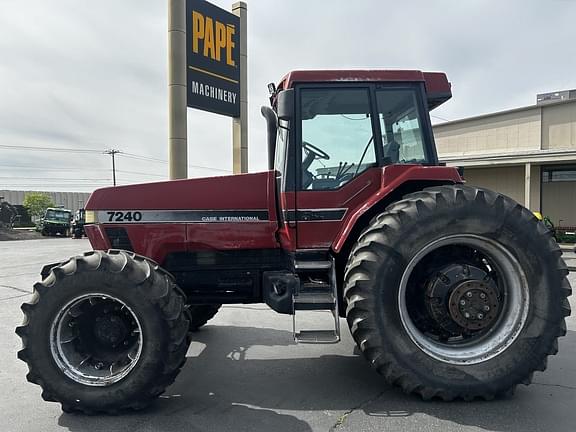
104 332
201 314
457 292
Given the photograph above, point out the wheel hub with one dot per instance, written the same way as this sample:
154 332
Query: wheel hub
477 270
473 305
96 339
110 330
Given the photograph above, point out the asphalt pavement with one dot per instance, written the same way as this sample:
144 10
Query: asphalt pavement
244 373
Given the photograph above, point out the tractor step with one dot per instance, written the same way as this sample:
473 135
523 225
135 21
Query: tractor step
312 265
317 336
314 301
314 287
316 295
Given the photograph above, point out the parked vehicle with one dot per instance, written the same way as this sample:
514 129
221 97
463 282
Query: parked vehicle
55 221
78 224
450 291
8 215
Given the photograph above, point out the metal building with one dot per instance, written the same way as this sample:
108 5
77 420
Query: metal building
70 200
527 153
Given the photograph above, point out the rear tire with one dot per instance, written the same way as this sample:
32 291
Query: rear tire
391 303
201 314
71 335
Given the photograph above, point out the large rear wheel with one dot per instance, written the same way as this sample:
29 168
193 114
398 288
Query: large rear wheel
104 332
457 292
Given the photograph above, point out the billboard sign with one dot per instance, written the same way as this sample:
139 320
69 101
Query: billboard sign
213 58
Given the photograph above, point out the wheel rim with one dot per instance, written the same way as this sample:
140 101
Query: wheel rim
480 339
96 339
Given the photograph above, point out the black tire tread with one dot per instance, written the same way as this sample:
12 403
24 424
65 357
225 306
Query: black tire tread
364 255
153 282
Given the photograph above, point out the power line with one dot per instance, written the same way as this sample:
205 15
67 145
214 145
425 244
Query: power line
145 158
37 168
53 149
151 159
52 178
141 173
43 184
96 151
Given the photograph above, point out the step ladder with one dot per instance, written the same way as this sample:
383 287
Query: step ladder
316 296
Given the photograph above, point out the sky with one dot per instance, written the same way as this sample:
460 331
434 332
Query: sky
92 75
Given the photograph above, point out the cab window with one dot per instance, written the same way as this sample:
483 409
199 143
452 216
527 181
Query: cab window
401 126
337 141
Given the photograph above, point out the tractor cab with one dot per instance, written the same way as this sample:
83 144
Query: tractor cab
350 121
331 135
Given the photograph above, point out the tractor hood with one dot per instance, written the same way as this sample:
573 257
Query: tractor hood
245 195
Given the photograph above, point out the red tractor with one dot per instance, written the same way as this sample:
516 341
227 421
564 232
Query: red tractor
450 291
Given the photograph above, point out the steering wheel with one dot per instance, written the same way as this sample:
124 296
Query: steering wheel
320 154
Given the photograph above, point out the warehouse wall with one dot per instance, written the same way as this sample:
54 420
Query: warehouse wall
502 133
506 180
559 127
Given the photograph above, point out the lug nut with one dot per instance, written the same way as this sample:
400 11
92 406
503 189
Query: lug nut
466 315
462 302
486 308
480 316
469 294
482 295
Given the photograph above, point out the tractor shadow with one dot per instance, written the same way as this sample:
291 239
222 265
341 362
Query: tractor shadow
240 379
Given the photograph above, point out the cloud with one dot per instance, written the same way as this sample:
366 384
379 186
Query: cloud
77 73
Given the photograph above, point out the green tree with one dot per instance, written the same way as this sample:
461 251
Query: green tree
36 203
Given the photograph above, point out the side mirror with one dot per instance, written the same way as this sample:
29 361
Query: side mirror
285 105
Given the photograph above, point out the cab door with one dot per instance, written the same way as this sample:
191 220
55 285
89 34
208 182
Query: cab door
337 157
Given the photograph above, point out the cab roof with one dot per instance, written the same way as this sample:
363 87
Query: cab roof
438 88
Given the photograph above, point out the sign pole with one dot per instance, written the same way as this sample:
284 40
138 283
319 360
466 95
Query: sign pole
240 124
177 105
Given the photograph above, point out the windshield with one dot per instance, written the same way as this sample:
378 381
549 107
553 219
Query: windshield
59 215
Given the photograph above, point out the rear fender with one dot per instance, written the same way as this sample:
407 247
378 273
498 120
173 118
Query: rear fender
397 181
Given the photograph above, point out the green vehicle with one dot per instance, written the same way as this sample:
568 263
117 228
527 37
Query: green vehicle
55 221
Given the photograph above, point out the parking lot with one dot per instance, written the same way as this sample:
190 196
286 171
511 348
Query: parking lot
244 373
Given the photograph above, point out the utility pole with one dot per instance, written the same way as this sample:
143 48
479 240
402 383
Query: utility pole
113 152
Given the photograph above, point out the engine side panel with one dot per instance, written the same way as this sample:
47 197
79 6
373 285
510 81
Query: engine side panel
157 219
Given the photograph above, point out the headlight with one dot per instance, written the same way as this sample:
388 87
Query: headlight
90 217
